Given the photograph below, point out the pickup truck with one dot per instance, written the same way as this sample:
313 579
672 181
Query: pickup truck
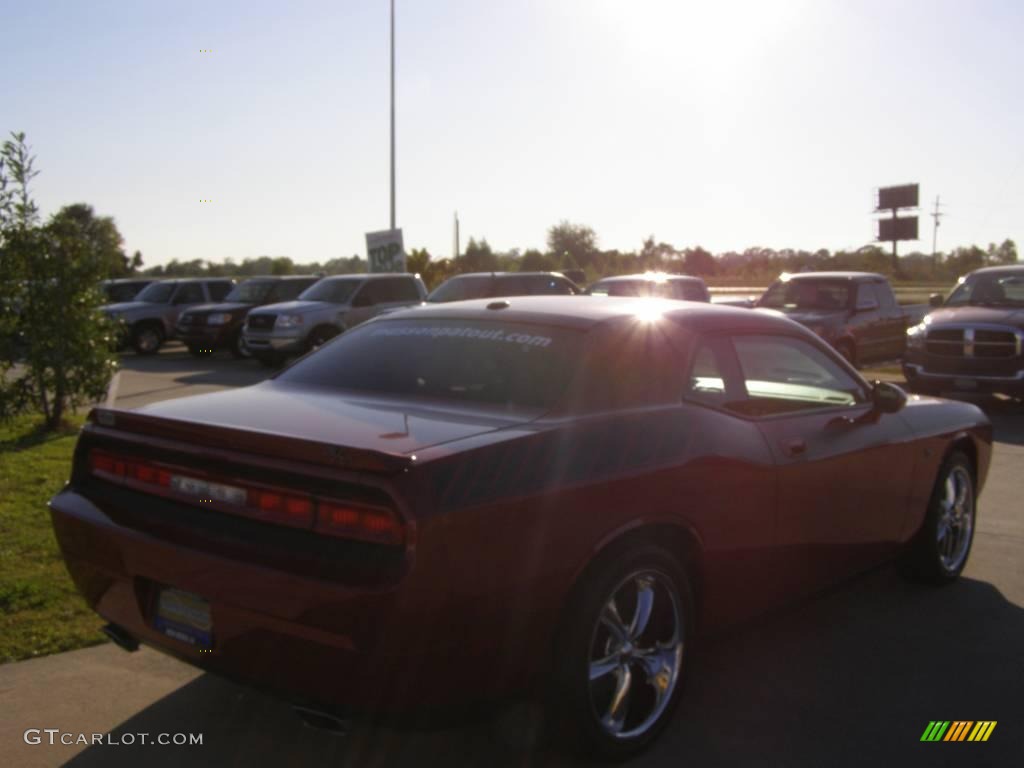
150 318
973 340
855 312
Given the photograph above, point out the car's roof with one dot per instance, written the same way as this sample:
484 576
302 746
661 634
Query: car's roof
584 312
368 275
193 279
1012 269
507 274
654 277
279 277
837 275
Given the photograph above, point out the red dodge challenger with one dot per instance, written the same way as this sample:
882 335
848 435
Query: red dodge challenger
546 495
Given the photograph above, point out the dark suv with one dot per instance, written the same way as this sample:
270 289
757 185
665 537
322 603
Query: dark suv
150 318
973 341
208 327
485 285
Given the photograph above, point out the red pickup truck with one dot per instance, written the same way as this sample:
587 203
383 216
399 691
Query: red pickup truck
855 312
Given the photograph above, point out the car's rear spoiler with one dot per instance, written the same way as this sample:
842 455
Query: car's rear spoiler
158 429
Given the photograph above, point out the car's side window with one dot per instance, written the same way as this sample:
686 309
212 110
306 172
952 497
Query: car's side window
884 294
367 295
189 293
706 383
219 289
400 289
288 290
783 374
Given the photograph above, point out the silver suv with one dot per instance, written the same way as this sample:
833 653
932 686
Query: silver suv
335 304
149 319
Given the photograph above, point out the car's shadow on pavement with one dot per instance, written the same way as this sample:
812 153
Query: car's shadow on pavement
849 678
175 365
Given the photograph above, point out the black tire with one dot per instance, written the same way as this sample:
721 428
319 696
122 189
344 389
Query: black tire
848 351
925 558
320 336
147 338
582 683
270 361
197 351
238 348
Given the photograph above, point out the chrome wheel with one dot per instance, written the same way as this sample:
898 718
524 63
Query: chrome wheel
636 653
956 519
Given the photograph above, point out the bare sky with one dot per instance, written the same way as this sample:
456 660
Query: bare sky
722 124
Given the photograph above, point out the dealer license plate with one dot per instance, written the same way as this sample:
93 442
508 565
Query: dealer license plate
184 617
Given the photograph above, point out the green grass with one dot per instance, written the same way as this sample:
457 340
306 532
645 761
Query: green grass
40 610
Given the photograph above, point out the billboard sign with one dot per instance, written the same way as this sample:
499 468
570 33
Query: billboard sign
905 196
385 251
891 230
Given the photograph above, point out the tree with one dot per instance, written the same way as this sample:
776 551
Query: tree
1004 253
535 261
417 261
478 257
67 358
697 261
105 241
576 240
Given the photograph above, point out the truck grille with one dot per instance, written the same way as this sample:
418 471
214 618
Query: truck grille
192 319
262 322
973 342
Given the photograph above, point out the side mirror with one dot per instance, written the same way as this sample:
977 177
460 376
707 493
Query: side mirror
867 306
886 397
935 300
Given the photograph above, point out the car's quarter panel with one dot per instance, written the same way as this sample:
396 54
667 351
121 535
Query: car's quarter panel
522 518
937 426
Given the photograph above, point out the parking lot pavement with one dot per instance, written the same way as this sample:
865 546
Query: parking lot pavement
175 373
850 677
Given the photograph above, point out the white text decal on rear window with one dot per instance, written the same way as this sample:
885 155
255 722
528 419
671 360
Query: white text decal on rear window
437 331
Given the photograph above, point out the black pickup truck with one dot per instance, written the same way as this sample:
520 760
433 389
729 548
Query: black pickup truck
855 312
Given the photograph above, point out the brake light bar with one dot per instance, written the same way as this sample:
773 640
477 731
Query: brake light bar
259 502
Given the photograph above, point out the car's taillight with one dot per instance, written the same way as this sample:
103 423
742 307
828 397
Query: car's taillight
265 503
359 522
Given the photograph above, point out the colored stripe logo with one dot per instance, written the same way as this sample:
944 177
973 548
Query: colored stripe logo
958 730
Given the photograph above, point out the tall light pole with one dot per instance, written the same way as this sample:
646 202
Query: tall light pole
392 114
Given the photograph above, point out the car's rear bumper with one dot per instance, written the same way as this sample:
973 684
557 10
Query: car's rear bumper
344 648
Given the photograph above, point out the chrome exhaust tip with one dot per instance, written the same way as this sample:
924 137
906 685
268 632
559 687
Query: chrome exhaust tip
121 637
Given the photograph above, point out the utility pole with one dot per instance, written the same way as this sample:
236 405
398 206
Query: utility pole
456 235
936 214
392 114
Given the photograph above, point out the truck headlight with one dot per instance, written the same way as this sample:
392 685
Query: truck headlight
288 321
916 337
221 319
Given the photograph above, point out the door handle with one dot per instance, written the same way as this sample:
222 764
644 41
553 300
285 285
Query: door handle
795 447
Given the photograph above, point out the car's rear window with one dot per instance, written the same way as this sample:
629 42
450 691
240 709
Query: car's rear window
479 362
